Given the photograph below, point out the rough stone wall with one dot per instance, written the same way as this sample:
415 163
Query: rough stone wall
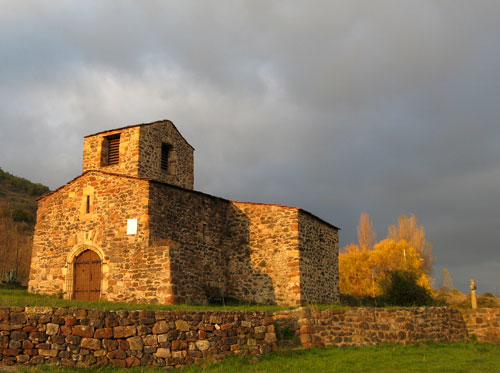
181 162
63 227
94 156
80 338
319 251
359 327
264 261
483 323
192 227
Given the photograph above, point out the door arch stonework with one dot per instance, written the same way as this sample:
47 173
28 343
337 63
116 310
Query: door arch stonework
70 273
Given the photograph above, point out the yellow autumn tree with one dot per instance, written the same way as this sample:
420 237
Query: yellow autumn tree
355 272
366 233
408 229
365 266
356 275
389 255
447 280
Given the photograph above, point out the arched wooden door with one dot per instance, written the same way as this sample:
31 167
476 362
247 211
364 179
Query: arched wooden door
87 279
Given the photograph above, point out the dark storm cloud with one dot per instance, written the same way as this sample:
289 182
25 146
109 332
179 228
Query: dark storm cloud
388 107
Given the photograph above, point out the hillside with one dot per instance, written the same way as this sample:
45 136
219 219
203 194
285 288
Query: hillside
17 220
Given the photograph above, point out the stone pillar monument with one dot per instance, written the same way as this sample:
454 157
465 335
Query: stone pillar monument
473 297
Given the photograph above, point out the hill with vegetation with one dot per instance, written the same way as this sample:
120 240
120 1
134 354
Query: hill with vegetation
17 220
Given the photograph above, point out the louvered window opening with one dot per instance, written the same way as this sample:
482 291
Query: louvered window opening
165 152
113 149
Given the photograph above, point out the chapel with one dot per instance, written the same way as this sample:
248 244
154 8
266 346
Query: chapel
131 228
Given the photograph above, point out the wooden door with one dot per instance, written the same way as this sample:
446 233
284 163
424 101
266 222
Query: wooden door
87 270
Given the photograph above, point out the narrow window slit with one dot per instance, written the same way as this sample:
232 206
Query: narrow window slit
165 154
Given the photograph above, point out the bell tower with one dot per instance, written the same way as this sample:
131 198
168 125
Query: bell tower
154 151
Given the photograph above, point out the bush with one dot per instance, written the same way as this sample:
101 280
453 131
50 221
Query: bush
400 288
20 215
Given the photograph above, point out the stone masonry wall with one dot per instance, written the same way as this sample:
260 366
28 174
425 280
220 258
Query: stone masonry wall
264 260
191 226
181 162
94 157
483 323
64 228
79 337
319 251
359 327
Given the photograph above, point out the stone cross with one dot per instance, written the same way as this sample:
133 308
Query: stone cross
473 297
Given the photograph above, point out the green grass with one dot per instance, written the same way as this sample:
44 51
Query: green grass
428 357
20 297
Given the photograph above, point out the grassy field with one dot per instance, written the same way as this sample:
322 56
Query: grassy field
432 357
19 297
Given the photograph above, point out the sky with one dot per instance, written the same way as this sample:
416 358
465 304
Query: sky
338 107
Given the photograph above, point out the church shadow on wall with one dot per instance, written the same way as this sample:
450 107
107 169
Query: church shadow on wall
209 251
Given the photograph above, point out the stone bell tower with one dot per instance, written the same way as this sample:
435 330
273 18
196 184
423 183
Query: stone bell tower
154 151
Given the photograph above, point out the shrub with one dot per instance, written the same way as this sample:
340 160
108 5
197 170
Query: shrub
400 288
20 215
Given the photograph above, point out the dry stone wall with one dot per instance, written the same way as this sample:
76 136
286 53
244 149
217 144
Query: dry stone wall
80 338
483 324
359 327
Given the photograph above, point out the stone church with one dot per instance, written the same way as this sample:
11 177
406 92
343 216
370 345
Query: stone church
131 228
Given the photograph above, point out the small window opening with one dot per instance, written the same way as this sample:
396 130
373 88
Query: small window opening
165 155
87 205
113 149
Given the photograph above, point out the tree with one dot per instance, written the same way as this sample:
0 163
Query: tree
447 280
355 272
389 256
401 288
366 234
408 229
15 250
362 272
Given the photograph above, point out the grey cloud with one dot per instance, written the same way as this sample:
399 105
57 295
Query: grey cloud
386 107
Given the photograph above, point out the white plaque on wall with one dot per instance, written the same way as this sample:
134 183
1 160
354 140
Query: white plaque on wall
132 226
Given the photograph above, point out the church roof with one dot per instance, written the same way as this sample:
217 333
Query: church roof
141 125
